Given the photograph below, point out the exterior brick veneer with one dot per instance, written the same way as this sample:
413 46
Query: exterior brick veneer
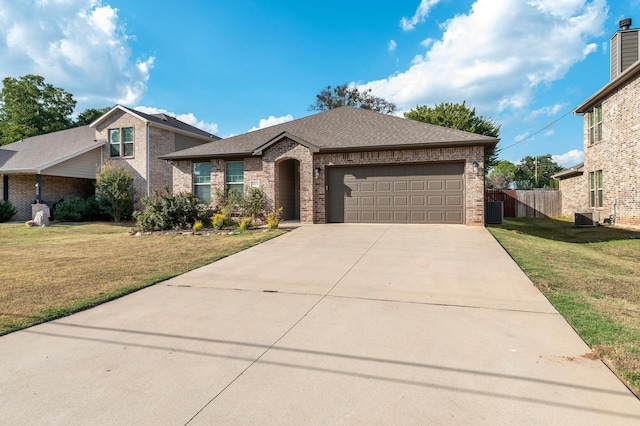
312 191
617 155
22 191
572 193
150 174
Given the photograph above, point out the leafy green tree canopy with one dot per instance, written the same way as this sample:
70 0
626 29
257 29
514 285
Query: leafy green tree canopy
502 175
460 117
536 172
31 107
90 115
343 95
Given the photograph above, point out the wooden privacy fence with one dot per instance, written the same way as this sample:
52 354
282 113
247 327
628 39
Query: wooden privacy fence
527 203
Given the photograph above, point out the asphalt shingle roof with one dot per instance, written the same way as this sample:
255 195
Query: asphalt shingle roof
342 129
167 120
39 152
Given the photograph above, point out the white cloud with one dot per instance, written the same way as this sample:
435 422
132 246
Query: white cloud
549 110
188 118
422 11
520 138
79 45
272 121
392 45
549 132
497 54
569 159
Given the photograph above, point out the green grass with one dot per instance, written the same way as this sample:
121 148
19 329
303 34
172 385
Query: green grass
52 272
592 277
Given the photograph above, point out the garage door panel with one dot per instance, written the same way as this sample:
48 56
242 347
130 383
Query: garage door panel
434 185
453 200
453 185
414 193
383 186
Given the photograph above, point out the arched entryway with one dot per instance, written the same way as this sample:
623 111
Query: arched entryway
289 189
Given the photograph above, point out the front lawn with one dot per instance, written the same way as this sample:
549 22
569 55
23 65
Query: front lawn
592 277
50 272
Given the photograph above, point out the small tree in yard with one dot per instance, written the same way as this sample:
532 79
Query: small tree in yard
114 191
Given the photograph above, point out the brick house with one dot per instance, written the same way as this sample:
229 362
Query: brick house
347 165
138 139
64 164
608 183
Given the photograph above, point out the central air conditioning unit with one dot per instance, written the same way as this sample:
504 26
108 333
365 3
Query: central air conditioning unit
587 219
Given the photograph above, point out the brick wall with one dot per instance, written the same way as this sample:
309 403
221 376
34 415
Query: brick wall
312 191
572 193
137 164
617 155
22 191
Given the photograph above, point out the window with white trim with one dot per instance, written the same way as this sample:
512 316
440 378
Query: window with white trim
121 142
234 176
595 189
202 182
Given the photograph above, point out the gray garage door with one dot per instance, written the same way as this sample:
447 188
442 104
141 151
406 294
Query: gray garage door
407 193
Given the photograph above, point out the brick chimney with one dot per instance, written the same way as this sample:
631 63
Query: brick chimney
625 48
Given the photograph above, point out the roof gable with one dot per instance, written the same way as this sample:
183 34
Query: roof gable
342 129
285 135
163 121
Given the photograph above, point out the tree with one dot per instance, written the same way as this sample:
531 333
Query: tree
536 172
114 191
31 107
90 115
345 95
460 117
502 175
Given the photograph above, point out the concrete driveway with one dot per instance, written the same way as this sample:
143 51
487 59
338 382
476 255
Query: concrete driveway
328 324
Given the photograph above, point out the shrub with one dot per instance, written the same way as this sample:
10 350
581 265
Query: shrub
253 203
219 220
246 223
114 191
235 204
198 226
78 210
273 218
6 211
168 211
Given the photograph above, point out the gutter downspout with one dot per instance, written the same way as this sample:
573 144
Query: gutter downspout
148 163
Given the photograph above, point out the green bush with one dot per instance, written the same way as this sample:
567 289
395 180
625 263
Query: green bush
78 210
170 211
235 204
114 191
6 211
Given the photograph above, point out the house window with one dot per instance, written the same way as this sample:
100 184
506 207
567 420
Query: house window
235 176
595 125
121 142
202 182
595 189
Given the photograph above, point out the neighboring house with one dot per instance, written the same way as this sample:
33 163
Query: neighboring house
63 165
610 183
138 139
49 168
347 165
573 190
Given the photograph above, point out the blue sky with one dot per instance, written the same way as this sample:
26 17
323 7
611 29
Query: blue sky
229 67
